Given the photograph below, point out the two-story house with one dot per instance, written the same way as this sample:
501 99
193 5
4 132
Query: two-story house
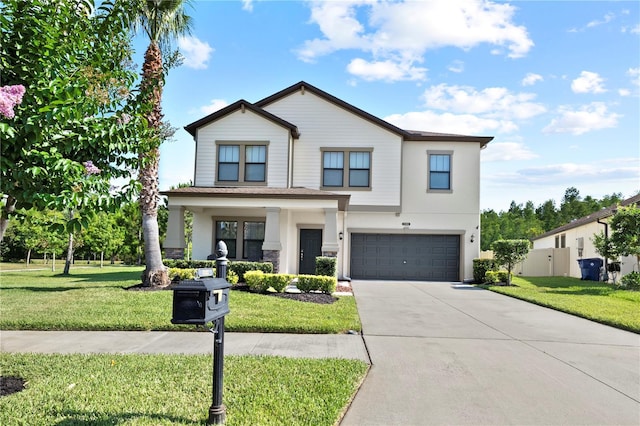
302 173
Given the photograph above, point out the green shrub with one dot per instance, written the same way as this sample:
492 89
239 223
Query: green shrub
492 277
326 266
179 274
188 264
307 283
480 268
276 281
254 280
241 268
631 281
232 277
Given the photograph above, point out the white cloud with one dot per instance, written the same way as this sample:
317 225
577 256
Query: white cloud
572 172
495 102
385 70
624 92
196 53
507 151
588 82
634 73
247 5
461 124
605 20
402 32
213 106
456 66
587 118
530 79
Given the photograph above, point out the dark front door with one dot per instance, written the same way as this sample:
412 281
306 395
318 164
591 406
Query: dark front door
310 248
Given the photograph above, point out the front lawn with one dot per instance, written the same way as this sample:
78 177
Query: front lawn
176 389
594 300
96 299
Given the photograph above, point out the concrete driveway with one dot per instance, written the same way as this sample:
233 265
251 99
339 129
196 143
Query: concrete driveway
447 353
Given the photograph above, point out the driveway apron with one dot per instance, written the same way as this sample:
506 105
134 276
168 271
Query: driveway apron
452 354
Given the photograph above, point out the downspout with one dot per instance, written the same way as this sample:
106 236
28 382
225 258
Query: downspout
606 236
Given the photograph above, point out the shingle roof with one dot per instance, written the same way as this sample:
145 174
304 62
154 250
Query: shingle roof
600 214
260 192
408 135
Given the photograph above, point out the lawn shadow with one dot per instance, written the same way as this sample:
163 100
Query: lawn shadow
593 291
104 276
79 418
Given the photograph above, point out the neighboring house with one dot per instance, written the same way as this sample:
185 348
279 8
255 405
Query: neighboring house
556 253
302 174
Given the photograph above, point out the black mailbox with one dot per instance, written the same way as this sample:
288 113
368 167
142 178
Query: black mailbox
200 301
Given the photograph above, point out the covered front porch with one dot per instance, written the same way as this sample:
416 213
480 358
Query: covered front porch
288 227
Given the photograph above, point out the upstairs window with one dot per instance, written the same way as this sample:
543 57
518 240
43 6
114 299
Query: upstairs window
255 163
242 163
439 171
346 168
333 169
359 169
228 163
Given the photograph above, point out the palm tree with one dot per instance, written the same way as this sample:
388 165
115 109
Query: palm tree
162 21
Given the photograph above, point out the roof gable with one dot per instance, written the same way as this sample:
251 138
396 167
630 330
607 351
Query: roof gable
241 105
407 135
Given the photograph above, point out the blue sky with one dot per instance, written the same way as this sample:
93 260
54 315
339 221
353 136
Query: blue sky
557 83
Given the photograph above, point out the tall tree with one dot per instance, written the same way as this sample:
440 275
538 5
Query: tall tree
77 123
162 21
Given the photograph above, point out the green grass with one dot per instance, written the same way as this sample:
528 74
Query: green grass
95 299
176 390
594 300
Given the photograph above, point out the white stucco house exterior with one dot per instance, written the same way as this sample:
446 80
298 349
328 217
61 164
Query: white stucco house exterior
561 248
302 173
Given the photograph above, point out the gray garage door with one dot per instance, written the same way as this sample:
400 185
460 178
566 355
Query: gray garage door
405 257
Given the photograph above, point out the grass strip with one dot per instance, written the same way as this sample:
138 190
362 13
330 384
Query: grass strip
112 389
95 299
597 301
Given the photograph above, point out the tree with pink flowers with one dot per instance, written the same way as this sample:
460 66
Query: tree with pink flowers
70 119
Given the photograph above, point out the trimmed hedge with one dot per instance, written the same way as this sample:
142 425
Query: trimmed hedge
326 266
261 282
325 284
492 277
179 274
242 267
237 267
481 267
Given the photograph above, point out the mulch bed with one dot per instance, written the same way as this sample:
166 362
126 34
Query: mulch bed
10 385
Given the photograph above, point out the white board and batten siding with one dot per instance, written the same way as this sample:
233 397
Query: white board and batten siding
323 124
242 127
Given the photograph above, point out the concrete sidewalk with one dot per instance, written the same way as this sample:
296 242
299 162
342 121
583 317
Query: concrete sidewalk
155 342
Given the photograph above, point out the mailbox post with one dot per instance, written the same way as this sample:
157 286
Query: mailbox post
217 411
203 300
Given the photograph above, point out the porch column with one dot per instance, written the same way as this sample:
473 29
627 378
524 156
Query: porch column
174 243
271 246
330 233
